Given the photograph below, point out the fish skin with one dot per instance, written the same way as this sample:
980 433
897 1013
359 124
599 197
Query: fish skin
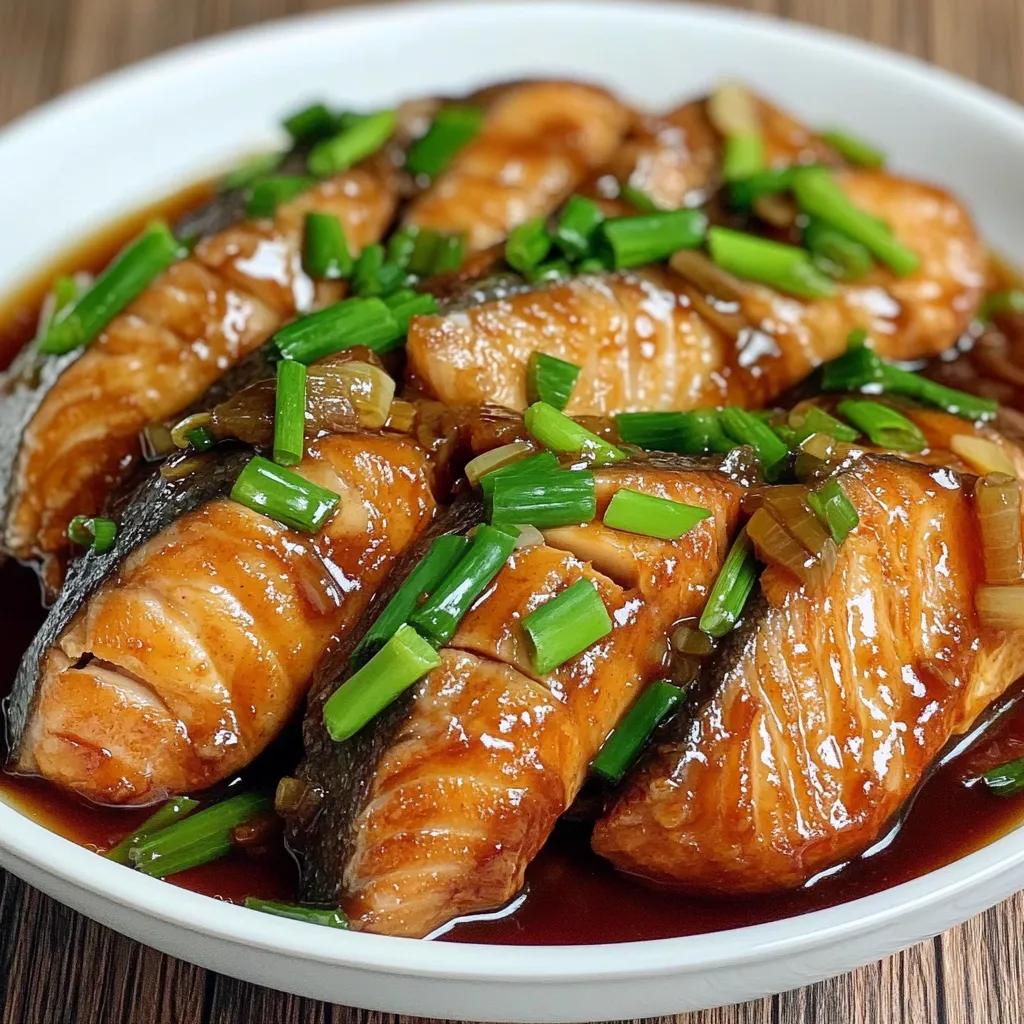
436 808
168 664
824 713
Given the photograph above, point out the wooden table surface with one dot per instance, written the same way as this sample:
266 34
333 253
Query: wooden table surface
56 967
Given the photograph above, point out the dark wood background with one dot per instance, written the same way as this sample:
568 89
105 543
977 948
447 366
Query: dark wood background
57 967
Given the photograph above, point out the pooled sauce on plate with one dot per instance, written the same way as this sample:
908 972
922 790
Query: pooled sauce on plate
572 895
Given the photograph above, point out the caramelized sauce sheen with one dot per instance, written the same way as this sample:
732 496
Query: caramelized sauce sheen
573 896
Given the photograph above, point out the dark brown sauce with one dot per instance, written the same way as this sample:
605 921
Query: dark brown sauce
573 896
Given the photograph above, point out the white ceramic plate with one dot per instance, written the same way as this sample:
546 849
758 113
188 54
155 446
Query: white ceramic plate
140 134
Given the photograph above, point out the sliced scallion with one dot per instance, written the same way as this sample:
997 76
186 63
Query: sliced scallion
406 304
551 270
401 245
524 469
855 150
784 267
310 124
325 252
622 748
328 917
638 199
650 237
731 588
347 323
836 254
555 431
688 433
885 427
528 245
201 439
435 253
268 193
565 497
249 172
290 413
651 516
550 380
566 626
744 192
742 156
174 810
283 495
577 227
452 128
353 143
817 421
93 532
1002 303
744 428
1006 779
834 509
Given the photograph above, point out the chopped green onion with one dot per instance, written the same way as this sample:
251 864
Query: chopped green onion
325 252
434 253
565 497
444 553
174 810
746 429
132 271
283 495
406 304
451 129
638 199
819 195
329 917
550 380
688 433
403 660
1002 303
450 252
532 467
290 413
834 509
731 589
497 458
857 338
268 193
1006 779
650 237
93 532
817 421
199 838
577 227
528 245
836 254
552 270
650 516
401 246
352 144
366 276
784 267
554 430
884 426
200 438
347 323
439 616
744 192
622 748
310 124
251 171
861 369
566 626
854 150
742 156
592 265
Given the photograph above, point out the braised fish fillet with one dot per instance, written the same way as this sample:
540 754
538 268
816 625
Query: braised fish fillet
79 426
435 809
539 141
198 646
825 711
653 340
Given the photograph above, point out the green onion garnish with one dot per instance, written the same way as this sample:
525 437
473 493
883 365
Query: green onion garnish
565 497
650 516
622 748
354 143
528 245
861 369
251 171
742 156
834 509
174 810
854 150
819 195
552 270
93 532
816 421
784 267
328 917
347 323
1001 303
550 380
555 431
133 270
403 660
200 438
744 428
325 252
1006 779
884 426
401 245
439 616
450 252
268 193
451 129
638 199
406 304
283 495
744 192
368 277
731 589
836 254
199 839
592 265
577 227
688 433
566 626
310 124
434 253
530 468
650 237
419 584
290 413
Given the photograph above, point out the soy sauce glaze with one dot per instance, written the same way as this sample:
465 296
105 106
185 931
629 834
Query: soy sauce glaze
573 896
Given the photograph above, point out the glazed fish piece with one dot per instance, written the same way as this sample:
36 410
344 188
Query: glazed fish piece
170 663
539 141
825 711
653 339
435 809
71 424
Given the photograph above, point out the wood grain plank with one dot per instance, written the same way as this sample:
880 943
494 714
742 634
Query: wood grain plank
55 966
